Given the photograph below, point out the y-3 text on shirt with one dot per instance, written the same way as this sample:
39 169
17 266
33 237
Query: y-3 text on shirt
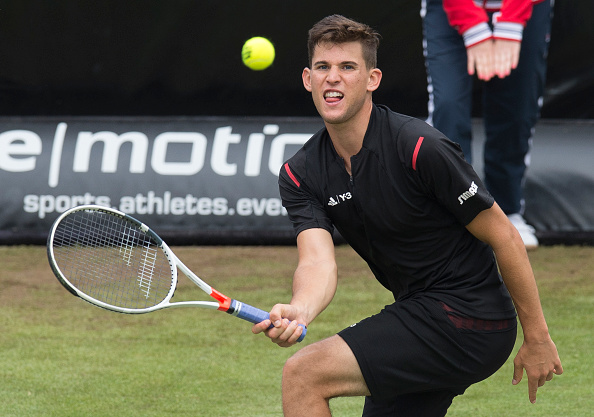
339 198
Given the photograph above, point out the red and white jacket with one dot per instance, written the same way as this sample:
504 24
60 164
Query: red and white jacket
469 18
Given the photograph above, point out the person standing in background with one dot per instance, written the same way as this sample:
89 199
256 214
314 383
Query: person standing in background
505 43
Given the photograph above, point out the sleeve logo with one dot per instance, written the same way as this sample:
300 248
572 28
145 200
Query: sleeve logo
467 194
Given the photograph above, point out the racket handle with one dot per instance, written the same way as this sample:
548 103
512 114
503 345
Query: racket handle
255 315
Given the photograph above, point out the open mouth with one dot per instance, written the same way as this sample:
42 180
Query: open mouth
333 96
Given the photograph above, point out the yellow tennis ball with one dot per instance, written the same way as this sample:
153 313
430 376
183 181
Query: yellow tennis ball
257 53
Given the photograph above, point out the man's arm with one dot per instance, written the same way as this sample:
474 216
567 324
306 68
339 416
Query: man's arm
538 354
314 285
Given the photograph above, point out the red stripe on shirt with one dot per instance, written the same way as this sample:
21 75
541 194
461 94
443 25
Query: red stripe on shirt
291 175
416 153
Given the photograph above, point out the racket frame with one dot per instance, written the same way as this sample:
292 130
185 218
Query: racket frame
223 302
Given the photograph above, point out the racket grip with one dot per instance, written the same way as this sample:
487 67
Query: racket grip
255 315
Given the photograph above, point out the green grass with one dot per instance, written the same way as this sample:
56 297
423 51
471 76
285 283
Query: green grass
60 356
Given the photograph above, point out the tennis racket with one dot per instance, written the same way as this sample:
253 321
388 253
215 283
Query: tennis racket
116 262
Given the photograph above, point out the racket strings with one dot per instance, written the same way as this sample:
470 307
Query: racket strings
112 260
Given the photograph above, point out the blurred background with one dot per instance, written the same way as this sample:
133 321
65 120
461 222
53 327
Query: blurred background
182 57
72 70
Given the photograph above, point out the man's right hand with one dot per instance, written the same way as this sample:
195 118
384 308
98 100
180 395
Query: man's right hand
286 330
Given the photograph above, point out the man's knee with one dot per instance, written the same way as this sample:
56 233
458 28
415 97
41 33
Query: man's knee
311 368
291 370
298 372
328 368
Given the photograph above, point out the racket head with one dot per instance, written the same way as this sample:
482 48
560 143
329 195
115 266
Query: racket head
111 260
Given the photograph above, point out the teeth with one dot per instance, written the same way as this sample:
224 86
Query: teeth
333 94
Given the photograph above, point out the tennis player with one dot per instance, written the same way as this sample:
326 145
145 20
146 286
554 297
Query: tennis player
404 198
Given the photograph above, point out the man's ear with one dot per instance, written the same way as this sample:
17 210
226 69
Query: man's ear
306 76
375 78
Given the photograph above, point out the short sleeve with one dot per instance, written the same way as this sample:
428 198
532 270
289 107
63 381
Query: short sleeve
441 167
304 210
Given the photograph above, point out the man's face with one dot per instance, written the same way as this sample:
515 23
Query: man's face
339 81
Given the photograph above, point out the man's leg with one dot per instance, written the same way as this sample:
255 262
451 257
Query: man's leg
317 373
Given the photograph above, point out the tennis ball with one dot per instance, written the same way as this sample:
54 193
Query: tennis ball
257 53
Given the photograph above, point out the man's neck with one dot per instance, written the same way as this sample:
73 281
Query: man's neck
347 137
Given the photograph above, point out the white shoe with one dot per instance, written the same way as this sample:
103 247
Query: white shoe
526 231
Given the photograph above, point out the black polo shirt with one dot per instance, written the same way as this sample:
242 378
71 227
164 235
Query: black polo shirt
403 210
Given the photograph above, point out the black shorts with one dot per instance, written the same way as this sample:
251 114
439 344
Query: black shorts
418 355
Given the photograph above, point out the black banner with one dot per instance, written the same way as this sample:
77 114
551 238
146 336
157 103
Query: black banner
198 180
214 180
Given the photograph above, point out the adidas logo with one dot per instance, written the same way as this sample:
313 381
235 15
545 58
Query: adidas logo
339 198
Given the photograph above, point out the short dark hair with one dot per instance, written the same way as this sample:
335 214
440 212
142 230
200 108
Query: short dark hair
338 29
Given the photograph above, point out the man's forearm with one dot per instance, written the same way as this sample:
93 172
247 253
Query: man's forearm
518 277
314 286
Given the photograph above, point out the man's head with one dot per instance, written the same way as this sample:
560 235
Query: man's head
343 73
337 29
